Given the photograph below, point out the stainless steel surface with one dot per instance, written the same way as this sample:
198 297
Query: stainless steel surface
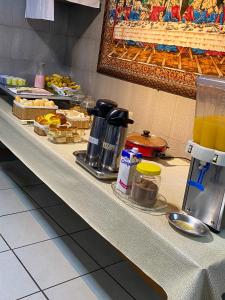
207 205
112 146
94 147
103 175
29 96
193 226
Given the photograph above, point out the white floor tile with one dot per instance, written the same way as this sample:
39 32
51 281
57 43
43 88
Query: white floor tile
5 181
67 218
102 251
37 296
132 281
19 173
14 280
95 286
55 261
42 195
15 200
3 245
28 227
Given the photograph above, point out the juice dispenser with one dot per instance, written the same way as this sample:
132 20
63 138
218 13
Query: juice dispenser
205 190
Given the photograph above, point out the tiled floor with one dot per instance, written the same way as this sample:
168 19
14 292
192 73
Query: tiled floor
48 252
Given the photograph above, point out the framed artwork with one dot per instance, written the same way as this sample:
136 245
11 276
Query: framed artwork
163 44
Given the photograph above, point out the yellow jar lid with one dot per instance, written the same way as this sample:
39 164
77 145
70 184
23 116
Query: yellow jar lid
148 169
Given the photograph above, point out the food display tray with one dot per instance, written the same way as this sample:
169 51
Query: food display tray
5 89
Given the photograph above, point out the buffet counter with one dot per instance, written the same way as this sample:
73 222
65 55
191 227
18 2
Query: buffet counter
185 267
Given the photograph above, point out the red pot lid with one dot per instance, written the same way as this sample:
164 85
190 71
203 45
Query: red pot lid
146 140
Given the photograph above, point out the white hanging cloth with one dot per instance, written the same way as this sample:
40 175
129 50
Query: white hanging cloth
91 3
40 9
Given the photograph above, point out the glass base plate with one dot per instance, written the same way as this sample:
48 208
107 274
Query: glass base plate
158 208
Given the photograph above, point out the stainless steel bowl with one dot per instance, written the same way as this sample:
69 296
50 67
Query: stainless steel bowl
188 224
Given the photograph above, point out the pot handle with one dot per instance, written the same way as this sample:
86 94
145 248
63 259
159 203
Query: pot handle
146 133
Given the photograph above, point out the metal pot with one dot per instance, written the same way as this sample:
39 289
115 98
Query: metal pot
148 145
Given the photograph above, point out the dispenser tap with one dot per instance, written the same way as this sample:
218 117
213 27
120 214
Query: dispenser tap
203 168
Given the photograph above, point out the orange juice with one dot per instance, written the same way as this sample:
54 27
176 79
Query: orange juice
208 133
197 129
220 135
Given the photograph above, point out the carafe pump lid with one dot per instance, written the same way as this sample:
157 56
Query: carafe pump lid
102 108
119 117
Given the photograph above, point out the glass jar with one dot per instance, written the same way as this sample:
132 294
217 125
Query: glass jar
76 100
88 102
145 185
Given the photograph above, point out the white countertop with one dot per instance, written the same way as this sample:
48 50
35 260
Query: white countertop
186 267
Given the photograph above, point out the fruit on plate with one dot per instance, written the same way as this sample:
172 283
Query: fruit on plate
61 81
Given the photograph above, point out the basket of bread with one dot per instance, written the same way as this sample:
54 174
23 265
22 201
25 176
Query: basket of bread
57 128
25 109
64 135
43 122
76 119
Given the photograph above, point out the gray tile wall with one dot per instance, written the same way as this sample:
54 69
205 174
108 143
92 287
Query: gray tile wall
26 42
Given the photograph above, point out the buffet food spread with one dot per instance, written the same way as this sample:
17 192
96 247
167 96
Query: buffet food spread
55 87
61 126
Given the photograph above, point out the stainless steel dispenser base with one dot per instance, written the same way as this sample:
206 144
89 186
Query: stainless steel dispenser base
207 205
103 175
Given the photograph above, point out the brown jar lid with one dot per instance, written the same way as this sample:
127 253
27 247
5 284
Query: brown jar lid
146 140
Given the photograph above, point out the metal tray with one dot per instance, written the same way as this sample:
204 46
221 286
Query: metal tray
58 98
80 159
188 224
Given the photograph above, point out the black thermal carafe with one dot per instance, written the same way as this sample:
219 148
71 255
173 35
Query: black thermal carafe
94 148
117 122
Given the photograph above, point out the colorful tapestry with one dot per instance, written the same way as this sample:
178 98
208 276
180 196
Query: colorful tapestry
163 44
